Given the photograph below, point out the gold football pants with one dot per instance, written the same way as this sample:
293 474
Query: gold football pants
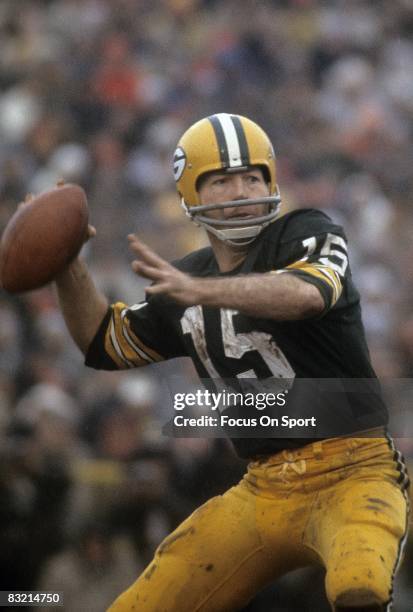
340 503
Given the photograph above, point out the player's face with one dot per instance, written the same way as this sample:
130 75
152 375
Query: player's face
219 187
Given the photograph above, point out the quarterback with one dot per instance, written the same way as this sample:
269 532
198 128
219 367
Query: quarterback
271 298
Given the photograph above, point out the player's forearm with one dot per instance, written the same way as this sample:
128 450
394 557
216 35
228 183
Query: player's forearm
82 305
271 296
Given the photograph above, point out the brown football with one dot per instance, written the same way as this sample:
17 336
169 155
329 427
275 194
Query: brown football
42 237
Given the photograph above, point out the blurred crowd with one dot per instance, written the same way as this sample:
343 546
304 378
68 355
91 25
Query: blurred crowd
97 92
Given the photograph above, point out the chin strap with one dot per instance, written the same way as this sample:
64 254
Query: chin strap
236 236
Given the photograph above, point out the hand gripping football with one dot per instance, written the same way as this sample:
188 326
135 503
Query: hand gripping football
42 237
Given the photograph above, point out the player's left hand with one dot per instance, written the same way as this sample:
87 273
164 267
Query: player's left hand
167 279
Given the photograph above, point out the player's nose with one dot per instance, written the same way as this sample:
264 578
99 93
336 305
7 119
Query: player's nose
239 191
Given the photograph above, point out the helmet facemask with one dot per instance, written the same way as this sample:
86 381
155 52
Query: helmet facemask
236 232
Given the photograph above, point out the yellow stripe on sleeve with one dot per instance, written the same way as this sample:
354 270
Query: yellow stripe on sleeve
112 350
121 343
323 272
129 352
320 271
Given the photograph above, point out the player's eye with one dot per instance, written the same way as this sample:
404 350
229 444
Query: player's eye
219 181
252 178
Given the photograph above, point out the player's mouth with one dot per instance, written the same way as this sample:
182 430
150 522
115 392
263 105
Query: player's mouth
241 215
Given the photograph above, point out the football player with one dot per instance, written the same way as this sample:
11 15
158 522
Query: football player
271 298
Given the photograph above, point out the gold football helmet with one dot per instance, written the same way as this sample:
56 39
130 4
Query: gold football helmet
227 143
